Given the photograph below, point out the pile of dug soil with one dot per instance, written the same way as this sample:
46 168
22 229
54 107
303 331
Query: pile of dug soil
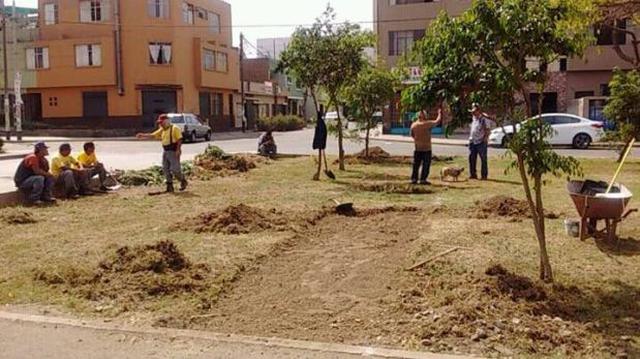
393 188
132 274
240 219
378 155
17 216
504 314
504 206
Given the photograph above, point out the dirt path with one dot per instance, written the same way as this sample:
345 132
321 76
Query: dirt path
335 285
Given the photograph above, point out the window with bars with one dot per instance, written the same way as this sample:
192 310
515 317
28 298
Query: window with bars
38 58
50 14
160 53
401 42
88 55
158 9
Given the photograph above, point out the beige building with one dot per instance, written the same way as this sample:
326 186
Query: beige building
577 85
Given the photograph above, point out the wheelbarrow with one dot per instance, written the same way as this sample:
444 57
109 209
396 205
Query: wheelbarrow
595 204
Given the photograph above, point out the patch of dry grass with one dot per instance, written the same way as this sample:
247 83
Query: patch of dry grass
83 233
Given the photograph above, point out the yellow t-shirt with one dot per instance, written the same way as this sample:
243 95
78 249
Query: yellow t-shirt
87 160
60 162
168 136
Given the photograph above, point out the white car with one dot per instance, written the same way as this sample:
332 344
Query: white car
570 130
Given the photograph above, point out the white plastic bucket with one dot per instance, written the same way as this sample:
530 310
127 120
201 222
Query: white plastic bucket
572 227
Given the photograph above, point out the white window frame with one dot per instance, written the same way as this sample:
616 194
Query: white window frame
214 22
158 9
209 60
160 53
50 13
222 62
88 55
188 13
94 10
37 58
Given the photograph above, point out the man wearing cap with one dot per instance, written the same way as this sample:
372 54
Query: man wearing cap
33 177
479 142
69 174
171 138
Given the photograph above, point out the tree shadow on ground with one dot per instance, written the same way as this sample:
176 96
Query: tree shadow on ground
625 247
614 314
514 183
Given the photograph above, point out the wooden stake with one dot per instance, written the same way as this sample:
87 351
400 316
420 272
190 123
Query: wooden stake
431 259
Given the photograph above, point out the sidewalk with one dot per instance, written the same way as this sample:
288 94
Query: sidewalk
36 336
218 136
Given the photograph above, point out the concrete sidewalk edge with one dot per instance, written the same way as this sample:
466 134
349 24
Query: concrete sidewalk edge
226 338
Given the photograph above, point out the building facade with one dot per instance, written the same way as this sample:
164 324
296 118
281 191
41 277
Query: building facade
119 63
576 85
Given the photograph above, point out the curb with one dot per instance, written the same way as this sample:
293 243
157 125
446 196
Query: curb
227 338
16 156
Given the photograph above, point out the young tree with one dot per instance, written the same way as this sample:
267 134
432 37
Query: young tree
328 56
373 88
489 64
624 104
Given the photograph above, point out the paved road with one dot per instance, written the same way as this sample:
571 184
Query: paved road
128 154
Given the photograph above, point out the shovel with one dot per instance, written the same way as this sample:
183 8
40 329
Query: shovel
327 171
344 209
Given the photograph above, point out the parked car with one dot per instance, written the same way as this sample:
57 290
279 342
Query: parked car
570 130
330 118
192 126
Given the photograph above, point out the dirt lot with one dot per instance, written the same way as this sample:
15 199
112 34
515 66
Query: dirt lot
263 254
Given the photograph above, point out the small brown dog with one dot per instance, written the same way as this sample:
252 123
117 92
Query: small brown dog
451 173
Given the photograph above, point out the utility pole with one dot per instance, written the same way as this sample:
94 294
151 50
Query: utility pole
242 94
17 80
7 110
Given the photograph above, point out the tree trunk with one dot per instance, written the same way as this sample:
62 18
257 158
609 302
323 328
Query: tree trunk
366 139
305 100
340 141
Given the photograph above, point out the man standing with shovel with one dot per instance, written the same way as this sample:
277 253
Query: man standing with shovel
171 138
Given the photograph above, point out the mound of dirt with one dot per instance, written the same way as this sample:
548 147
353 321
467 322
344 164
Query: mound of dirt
17 216
240 219
133 273
378 155
499 313
504 206
395 188
515 286
374 153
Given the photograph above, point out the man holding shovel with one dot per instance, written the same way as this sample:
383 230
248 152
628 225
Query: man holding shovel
171 138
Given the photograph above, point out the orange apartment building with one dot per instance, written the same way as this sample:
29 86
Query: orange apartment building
579 86
118 63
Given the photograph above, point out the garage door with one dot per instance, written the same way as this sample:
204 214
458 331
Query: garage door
155 102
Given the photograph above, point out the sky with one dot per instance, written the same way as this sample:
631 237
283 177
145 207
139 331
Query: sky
254 17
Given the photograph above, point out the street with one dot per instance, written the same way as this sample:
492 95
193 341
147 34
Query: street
129 154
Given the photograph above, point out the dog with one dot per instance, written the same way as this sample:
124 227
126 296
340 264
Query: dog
451 173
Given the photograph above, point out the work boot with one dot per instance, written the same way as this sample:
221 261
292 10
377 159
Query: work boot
183 185
170 188
50 200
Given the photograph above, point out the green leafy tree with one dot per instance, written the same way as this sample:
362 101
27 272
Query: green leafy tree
328 56
373 88
623 106
482 56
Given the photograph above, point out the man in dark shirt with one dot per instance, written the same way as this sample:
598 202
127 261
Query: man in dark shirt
33 177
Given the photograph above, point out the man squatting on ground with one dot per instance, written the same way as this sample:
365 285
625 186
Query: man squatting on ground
69 175
421 133
33 177
171 138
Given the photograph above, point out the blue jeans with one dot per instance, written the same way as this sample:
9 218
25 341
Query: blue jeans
476 150
421 159
37 188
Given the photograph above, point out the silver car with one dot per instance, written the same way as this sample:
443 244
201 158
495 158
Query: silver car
192 126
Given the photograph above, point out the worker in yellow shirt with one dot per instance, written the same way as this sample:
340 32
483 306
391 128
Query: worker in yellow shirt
171 138
89 162
69 175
